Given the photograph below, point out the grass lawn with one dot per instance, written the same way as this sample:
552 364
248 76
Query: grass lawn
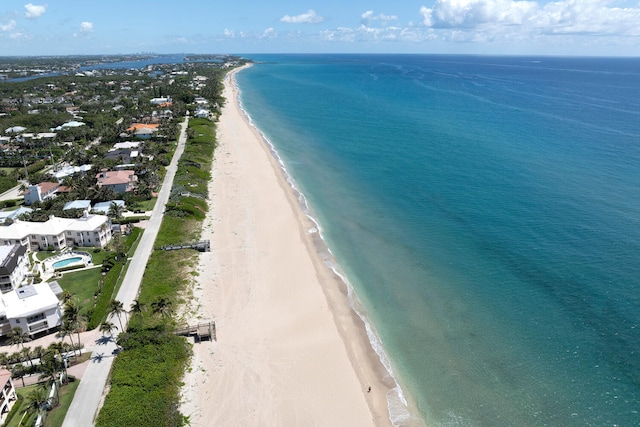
146 205
83 284
97 257
55 417
42 255
57 414
21 405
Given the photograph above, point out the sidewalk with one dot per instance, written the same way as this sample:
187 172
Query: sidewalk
88 397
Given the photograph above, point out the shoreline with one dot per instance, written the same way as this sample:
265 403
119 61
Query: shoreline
298 353
341 292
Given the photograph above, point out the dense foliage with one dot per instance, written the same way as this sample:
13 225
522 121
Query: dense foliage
145 381
148 369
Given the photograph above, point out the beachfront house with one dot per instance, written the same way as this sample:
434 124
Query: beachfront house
14 266
59 233
120 181
41 192
10 216
127 156
8 394
161 100
71 170
85 205
104 207
143 130
32 308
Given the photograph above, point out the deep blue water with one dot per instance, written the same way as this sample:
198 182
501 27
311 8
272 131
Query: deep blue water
487 212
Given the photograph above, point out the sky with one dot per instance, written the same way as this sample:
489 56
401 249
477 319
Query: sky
514 27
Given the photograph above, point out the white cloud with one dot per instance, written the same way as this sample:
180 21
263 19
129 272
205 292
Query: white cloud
86 27
229 33
9 26
529 17
305 18
368 16
33 11
269 33
471 13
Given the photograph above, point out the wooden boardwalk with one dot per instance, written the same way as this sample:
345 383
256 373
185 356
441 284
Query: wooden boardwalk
205 330
201 246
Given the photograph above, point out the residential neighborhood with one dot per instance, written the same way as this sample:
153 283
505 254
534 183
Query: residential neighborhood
82 158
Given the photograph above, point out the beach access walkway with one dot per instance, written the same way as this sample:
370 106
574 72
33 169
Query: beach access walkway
88 397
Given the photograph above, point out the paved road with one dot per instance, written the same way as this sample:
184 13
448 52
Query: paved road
88 397
12 193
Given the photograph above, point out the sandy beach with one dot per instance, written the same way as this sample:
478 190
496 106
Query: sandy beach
290 351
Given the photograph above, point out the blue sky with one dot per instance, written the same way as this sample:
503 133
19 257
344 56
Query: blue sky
562 27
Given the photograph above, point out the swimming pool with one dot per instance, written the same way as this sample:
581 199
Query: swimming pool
66 262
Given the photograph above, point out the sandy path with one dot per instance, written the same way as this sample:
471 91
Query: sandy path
280 359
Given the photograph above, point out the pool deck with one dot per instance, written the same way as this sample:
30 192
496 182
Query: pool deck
47 270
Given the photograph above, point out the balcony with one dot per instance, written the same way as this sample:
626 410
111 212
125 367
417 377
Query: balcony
38 326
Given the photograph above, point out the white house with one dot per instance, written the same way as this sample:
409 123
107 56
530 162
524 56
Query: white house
202 113
40 192
59 233
78 204
104 207
12 215
32 308
160 100
14 266
70 170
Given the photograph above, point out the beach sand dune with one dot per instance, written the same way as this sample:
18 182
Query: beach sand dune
290 352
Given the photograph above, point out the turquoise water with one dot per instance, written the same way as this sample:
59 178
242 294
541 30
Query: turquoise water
66 262
486 211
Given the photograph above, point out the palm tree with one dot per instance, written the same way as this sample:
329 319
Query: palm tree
66 297
18 371
18 337
73 320
49 373
65 330
108 328
115 211
138 308
4 359
117 308
56 349
38 352
26 355
37 401
163 307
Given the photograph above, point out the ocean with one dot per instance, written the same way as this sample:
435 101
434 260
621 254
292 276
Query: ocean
486 212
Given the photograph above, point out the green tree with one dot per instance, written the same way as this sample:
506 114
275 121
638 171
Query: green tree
73 320
65 330
116 308
37 402
137 308
18 371
27 356
4 359
49 374
115 211
108 328
66 297
18 337
163 307
57 350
